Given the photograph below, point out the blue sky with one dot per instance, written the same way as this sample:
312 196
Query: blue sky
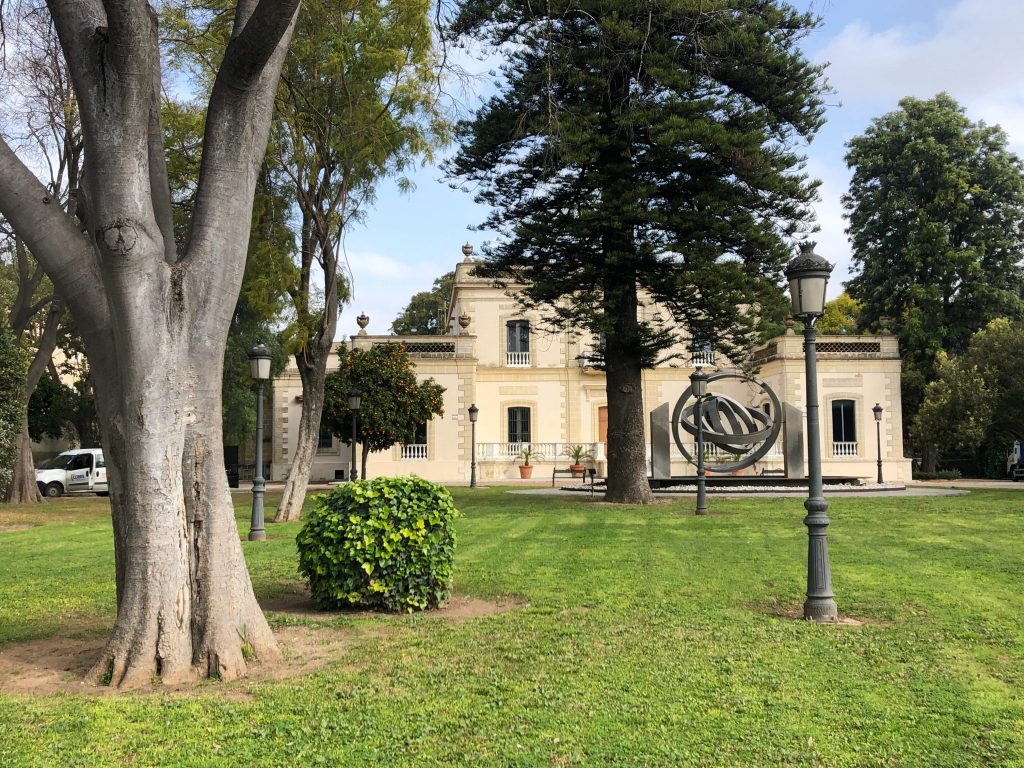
879 51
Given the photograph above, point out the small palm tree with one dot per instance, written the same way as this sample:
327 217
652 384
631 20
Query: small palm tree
528 453
577 453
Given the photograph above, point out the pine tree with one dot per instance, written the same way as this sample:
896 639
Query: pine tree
642 152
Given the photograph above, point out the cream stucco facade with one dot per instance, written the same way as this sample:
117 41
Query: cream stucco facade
535 387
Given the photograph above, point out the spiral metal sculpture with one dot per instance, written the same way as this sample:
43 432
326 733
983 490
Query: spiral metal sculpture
728 424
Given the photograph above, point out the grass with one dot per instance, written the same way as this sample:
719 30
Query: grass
652 638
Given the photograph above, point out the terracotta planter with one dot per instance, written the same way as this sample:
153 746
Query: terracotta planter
578 470
526 471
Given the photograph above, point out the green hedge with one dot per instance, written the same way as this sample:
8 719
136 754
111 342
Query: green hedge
386 543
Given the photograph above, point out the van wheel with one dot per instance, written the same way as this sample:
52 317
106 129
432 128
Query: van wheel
53 490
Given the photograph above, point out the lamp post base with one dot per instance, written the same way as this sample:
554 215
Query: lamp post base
822 610
257 535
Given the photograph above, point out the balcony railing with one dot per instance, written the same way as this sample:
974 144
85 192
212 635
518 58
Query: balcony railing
845 448
414 452
704 357
719 455
517 359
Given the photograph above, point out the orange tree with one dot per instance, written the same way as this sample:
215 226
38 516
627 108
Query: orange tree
393 403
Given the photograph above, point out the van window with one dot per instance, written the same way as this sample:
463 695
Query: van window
81 461
99 460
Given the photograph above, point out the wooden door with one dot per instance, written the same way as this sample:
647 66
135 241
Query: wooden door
602 427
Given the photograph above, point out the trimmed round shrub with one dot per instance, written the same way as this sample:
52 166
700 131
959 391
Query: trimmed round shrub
386 543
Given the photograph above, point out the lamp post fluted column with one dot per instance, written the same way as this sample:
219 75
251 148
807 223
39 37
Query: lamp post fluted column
877 410
473 412
355 397
820 604
259 362
808 279
699 387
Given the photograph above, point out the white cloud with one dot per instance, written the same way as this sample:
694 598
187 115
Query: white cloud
974 53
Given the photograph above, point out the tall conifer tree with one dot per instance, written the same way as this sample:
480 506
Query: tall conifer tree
643 151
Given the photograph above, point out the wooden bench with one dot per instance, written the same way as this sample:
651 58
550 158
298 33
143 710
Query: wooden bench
764 472
588 473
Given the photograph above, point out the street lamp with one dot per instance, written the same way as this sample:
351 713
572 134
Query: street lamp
259 369
808 276
473 412
877 410
699 387
354 398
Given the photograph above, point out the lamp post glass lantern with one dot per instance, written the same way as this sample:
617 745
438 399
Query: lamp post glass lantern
808 279
355 397
259 369
473 413
877 410
699 385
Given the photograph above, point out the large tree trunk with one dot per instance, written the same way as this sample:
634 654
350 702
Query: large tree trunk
23 488
627 450
155 327
185 603
312 367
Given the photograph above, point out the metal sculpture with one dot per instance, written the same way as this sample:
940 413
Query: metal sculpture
728 424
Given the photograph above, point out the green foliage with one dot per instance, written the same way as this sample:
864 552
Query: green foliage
936 212
942 474
383 543
644 146
529 453
13 371
976 398
424 314
577 453
840 315
49 409
393 403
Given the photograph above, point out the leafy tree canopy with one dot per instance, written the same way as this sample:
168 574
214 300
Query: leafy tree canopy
424 315
840 315
393 403
936 220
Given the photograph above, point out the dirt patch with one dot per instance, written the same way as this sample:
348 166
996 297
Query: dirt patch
10 527
59 664
796 613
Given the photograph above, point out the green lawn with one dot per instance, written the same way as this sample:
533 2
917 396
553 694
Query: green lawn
652 638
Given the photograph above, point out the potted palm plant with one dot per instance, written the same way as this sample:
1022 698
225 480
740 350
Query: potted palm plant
527 453
577 453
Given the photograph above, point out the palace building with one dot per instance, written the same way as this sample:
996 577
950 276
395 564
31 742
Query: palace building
539 389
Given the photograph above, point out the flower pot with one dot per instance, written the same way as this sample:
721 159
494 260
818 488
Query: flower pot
526 471
578 470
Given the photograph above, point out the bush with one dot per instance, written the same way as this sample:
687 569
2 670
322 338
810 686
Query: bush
383 543
942 474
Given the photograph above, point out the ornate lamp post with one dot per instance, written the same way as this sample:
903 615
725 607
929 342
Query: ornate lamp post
699 385
808 277
877 410
259 368
473 413
354 398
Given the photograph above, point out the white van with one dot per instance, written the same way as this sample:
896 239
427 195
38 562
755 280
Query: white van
80 471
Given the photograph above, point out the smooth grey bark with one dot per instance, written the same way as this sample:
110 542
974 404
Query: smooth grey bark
155 325
311 360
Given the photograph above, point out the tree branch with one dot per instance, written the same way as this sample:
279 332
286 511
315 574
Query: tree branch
53 239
